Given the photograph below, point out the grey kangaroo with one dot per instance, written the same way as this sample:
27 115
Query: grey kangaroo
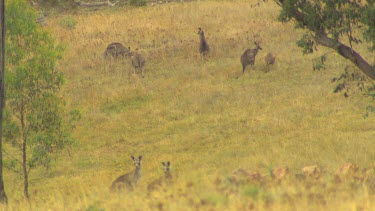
129 180
116 49
248 57
204 49
166 179
138 62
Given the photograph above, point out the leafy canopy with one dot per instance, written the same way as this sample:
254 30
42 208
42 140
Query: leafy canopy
35 112
338 18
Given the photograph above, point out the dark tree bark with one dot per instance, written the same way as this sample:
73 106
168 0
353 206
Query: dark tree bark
347 53
3 197
24 160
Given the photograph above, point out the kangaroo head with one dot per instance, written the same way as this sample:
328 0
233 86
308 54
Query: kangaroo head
257 44
200 31
137 161
166 166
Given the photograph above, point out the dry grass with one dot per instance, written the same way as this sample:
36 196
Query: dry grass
206 118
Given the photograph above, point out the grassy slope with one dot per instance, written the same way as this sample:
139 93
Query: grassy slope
198 115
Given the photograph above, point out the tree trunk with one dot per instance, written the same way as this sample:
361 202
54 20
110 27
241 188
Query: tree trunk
24 160
25 173
3 197
347 53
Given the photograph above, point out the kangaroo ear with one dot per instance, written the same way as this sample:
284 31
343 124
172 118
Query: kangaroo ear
168 163
132 157
163 163
140 157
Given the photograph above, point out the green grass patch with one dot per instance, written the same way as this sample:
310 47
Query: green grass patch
133 103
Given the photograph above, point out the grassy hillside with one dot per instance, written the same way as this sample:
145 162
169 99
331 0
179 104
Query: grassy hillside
206 118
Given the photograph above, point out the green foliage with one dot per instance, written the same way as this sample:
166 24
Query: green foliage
318 63
35 112
368 20
11 130
350 82
370 108
306 43
338 18
138 3
68 22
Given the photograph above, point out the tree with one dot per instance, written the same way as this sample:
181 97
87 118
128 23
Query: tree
35 121
3 197
332 23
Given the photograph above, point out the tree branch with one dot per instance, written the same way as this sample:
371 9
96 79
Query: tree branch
345 51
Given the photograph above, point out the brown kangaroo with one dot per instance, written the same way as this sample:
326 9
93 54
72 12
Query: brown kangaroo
204 49
166 179
116 49
248 57
130 180
138 62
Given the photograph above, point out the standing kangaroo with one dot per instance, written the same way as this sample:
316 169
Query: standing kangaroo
129 180
248 57
204 49
167 179
138 62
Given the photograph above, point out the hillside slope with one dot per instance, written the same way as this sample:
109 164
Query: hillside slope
205 117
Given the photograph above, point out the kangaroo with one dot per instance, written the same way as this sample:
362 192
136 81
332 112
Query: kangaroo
116 49
270 60
129 180
138 62
248 57
167 179
204 49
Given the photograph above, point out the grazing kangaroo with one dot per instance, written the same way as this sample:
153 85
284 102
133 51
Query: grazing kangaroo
167 179
129 180
204 49
270 60
116 49
138 62
248 57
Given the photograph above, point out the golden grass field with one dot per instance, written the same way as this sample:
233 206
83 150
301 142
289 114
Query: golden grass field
208 119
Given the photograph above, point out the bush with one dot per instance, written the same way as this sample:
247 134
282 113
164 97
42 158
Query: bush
138 3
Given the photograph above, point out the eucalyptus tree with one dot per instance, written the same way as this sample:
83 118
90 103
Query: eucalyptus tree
36 122
336 24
